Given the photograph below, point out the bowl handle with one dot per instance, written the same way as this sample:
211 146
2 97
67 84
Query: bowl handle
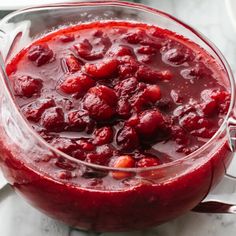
222 199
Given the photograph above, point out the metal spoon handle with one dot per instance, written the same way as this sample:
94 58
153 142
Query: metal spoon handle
221 200
215 207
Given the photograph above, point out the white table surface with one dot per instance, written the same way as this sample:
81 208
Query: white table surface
19 219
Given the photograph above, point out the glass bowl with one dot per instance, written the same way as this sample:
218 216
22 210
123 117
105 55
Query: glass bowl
93 199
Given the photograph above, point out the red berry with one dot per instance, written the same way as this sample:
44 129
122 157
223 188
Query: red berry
53 119
123 108
127 138
98 33
126 87
209 108
192 121
121 50
219 96
40 54
149 75
34 111
100 102
128 67
152 93
27 86
97 108
84 50
102 70
78 120
76 83
105 93
139 101
72 64
198 71
150 121
176 54
103 135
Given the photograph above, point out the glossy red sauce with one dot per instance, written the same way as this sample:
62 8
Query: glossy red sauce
122 95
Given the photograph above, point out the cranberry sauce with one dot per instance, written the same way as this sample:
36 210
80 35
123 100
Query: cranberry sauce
120 94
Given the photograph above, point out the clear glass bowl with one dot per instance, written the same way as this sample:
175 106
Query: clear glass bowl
93 200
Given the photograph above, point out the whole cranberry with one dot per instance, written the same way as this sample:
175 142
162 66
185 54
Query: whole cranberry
126 87
198 71
209 108
76 83
86 51
121 50
40 54
26 86
72 63
149 75
152 93
100 102
221 99
150 122
140 101
78 120
102 70
176 54
123 108
53 119
103 135
193 121
127 138
127 67
34 110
